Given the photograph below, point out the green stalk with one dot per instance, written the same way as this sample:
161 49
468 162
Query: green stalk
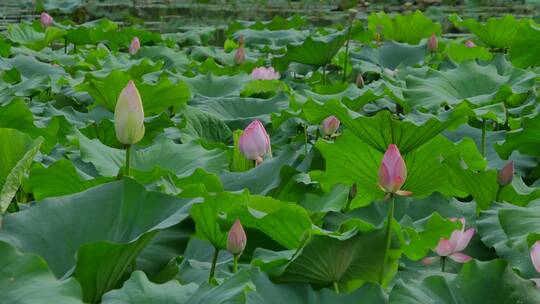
305 139
388 237
483 137
347 53
213 268
235 263
324 74
128 159
336 287
443 263
498 197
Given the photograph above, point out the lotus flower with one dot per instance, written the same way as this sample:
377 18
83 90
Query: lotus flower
330 125
433 44
236 240
46 20
393 172
506 174
470 44
135 45
452 247
240 55
263 73
359 81
535 258
129 116
254 143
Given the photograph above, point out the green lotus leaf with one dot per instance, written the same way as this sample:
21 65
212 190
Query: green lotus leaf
409 28
526 45
477 282
459 52
25 278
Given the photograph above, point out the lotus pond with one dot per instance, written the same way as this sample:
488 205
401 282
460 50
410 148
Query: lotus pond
370 161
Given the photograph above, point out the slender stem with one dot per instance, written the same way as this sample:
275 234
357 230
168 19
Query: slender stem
324 75
305 139
483 137
65 45
348 206
443 263
498 197
336 287
213 268
346 53
388 236
128 159
235 263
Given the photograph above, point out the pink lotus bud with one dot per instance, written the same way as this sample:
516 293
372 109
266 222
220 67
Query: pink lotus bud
506 174
254 143
470 44
359 81
330 125
393 172
129 116
135 45
433 44
535 256
236 240
458 242
263 73
46 20
353 191
240 55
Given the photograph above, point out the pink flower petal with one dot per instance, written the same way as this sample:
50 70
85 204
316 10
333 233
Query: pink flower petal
464 239
429 260
460 257
535 256
444 248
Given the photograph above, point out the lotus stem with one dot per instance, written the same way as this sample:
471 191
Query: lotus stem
346 53
324 74
483 147
336 287
388 237
498 197
443 263
305 138
128 159
235 263
213 268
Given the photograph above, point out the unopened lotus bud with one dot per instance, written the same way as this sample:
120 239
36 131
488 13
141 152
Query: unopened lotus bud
254 143
506 174
470 44
236 240
393 172
353 191
330 125
134 46
433 44
129 116
46 19
359 81
352 15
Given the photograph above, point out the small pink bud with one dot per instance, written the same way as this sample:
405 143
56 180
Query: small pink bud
263 73
393 172
236 240
433 44
458 241
330 125
129 115
506 174
46 20
254 143
535 256
353 191
240 55
135 45
470 44
359 81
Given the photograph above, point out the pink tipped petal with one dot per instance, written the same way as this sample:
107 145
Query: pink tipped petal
459 257
134 46
254 143
535 256
240 55
384 178
394 170
236 240
429 260
464 239
404 193
470 44
444 248
46 19
537 282
330 125
432 43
